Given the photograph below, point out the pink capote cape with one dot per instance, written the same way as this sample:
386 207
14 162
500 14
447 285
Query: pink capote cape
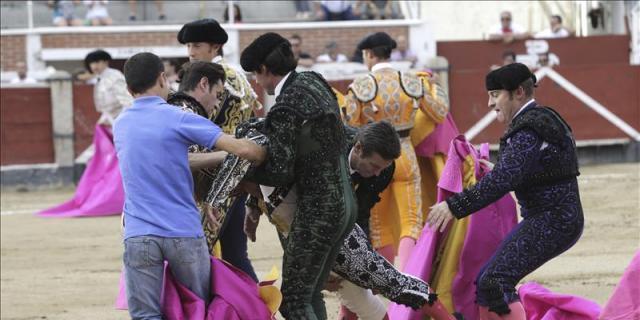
486 230
235 297
100 191
439 140
541 304
624 303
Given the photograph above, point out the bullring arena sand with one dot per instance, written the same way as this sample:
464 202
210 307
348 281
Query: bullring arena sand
69 268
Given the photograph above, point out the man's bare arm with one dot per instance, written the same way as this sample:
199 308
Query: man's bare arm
199 161
242 148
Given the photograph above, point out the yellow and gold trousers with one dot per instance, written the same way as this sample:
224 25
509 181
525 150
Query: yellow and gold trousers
399 212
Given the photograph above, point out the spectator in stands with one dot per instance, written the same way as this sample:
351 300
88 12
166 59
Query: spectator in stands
378 9
555 30
507 31
171 68
332 54
110 93
508 57
304 59
303 10
133 10
237 14
21 69
333 10
64 13
547 59
402 52
97 13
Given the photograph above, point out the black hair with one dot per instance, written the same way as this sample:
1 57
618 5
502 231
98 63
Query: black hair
557 17
281 60
174 62
379 137
94 56
528 87
192 72
509 53
141 71
382 52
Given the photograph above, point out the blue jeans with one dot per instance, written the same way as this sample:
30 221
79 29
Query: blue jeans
144 258
233 240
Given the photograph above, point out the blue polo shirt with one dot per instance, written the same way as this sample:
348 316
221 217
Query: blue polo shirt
152 139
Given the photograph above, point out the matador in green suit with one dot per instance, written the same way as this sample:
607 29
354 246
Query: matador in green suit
306 148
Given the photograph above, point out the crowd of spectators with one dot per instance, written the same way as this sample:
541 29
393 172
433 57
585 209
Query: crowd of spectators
335 10
64 12
507 31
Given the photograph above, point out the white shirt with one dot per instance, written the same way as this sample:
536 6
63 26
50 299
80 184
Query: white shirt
381 65
351 170
110 93
523 107
280 84
326 58
550 34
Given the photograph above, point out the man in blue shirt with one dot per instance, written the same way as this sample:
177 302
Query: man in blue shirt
160 215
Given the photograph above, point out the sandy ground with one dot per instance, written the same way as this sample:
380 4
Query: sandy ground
69 268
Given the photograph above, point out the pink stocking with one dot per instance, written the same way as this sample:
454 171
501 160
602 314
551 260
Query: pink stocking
346 314
388 252
437 311
404 251
485 314
517 312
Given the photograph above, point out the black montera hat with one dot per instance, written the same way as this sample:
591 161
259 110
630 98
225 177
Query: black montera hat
509 77
255 54
203 30
378 39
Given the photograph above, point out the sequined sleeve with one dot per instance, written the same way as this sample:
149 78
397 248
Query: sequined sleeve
435 102
518 157
282 129
352 109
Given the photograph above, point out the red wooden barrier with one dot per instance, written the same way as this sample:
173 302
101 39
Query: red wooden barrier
614 86
85 117
610 49
25 119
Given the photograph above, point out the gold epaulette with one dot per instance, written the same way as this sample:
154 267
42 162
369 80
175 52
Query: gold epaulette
411 84
364 88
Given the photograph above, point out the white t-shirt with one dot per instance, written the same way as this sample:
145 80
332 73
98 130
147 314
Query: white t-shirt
326 58
549 34
336 6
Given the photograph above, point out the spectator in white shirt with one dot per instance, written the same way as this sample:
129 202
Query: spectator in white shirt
507 31
21 69
97 13
331 10
556 29
332 54
110 93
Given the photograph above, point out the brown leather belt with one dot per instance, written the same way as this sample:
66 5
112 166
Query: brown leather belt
404 133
